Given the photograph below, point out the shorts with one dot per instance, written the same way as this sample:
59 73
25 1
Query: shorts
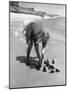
37 38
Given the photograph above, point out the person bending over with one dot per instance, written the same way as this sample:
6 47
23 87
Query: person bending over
34 35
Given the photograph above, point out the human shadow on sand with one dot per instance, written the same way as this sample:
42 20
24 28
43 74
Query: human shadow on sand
33 63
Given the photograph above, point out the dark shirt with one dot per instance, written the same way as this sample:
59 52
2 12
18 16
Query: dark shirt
34 32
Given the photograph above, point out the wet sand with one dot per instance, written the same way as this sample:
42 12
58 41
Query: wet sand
23 76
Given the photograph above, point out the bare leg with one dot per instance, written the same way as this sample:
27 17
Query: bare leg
43 49
37 52
29 51
42 53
